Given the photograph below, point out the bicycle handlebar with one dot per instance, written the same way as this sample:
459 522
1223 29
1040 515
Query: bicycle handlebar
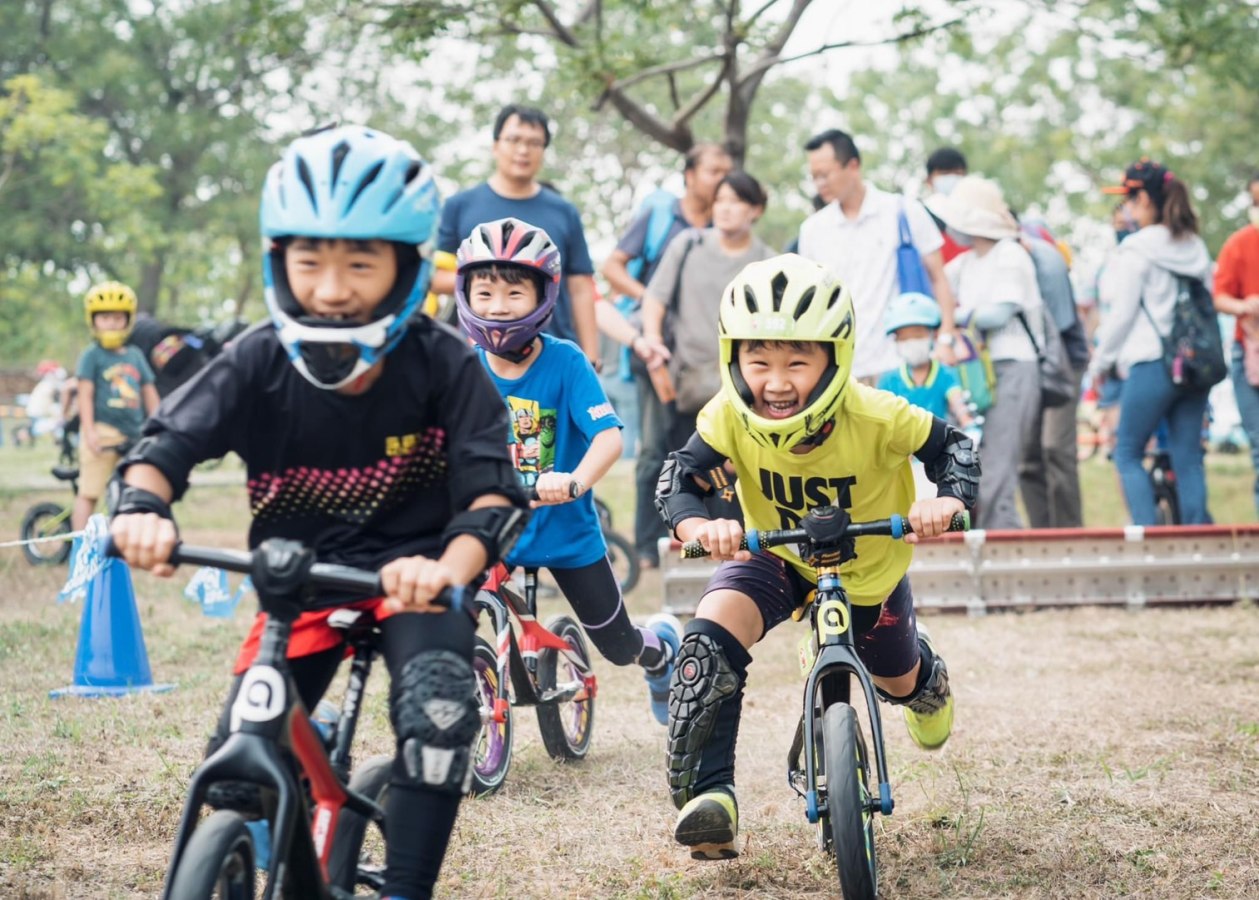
895 526
572 491
329 576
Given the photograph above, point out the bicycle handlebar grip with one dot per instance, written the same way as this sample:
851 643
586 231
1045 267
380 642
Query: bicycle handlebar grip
695 550
572 491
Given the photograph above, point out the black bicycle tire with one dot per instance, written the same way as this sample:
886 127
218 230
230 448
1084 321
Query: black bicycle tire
847 790
483 786
371 779
60 552
618 544
550 716
220 845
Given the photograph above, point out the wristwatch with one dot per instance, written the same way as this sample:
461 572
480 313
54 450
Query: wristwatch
946 339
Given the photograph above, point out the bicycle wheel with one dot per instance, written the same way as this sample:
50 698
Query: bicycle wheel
624 561
45 520
566 727
348 864
847 798
492 757
218 861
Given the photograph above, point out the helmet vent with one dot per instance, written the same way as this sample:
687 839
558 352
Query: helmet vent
778 287
749 297
413 172
805 302
363 185
339 153
834 298
303 175
509 228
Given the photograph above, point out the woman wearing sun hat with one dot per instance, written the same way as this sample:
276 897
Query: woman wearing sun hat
1140 288
995 286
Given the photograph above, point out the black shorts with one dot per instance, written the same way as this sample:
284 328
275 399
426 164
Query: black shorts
886 636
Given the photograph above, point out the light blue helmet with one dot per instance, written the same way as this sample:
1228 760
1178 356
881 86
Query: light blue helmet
911 308
352 183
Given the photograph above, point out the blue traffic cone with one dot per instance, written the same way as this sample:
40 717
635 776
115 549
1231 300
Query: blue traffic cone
111 659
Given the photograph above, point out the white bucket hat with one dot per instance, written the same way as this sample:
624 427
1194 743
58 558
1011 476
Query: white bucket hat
975 206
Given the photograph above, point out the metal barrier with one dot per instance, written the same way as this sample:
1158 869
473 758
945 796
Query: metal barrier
988 570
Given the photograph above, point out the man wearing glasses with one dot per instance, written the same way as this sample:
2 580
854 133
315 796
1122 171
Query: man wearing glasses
521 136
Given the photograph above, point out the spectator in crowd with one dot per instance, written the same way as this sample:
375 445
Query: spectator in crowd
945 168
856 236
683 296
1237 294
1139 287
521 136
996 290
704 165
1050 477
45 404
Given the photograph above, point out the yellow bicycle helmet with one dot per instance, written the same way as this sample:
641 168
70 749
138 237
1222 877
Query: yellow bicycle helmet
110 296
787 298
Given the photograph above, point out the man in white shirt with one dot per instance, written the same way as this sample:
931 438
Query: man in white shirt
856 235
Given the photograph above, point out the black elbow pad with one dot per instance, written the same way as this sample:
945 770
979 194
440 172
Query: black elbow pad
676 495
496 527
954 468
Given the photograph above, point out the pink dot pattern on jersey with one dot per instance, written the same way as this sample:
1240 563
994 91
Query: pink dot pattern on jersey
352 495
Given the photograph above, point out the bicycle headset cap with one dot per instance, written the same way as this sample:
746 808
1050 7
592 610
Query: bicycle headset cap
347 183
507 242
787 298
106 297
911 308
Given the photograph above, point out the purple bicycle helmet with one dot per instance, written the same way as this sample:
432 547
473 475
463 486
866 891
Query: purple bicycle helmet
507 242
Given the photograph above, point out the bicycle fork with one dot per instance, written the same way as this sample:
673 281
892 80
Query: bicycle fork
828 682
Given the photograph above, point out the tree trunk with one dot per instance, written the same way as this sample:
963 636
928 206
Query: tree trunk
151 283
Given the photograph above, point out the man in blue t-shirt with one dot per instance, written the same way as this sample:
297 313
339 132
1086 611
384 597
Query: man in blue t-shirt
521 136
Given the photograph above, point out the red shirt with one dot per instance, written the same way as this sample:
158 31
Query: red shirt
1237 270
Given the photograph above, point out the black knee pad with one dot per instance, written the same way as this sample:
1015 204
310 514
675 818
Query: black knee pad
702 681
436 719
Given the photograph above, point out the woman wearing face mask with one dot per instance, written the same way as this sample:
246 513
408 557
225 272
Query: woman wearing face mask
1139 288
995 286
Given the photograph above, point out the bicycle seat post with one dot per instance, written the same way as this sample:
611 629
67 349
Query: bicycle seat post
531 591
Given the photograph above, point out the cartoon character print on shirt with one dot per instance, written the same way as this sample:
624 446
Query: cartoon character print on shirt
124 386
794 495
532 443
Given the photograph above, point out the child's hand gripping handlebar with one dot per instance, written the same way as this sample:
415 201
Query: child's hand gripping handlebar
281 560
895 526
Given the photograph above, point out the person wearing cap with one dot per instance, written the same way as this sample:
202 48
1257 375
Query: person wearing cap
996 290
1140 288
946 166
1237 294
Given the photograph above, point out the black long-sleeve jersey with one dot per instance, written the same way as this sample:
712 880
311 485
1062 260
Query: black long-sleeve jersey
362 479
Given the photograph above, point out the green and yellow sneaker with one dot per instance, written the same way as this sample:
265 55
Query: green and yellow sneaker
929 713
709 825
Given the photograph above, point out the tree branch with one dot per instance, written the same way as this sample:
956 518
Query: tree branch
664 69
767 62
560 30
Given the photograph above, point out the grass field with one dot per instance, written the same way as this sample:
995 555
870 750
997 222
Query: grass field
1097 753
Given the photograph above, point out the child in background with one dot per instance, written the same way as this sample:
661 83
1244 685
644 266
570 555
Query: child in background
912 320
116 392
564 437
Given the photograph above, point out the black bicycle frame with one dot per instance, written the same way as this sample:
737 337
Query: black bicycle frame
829 682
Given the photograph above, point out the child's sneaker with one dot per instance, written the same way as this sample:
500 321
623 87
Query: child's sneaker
669 630
709 825
929 713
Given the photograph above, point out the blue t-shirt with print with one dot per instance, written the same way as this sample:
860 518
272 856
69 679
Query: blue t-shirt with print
932 395
546 210
556 408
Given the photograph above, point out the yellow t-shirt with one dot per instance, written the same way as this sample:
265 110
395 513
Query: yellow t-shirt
863 466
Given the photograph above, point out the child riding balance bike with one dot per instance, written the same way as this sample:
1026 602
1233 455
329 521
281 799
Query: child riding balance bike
801 434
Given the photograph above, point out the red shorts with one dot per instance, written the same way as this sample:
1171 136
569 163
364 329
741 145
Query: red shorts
311 633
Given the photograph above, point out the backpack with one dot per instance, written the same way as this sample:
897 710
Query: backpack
1193 352
659 208
910 271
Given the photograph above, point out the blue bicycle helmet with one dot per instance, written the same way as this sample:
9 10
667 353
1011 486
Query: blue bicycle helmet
911 308
353 183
